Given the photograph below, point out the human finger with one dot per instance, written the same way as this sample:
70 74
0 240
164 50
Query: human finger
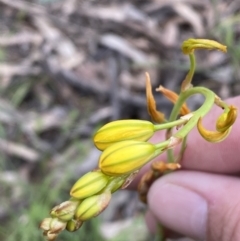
199 205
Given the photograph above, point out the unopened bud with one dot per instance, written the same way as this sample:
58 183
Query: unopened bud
45 224
92 206
89 184
52 227
126 156
123 130
73 225
65 211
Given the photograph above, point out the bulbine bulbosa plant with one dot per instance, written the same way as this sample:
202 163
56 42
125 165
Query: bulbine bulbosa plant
125 148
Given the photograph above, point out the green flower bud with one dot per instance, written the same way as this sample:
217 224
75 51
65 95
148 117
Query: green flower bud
65 211
92 206
89 184
123 130
126 157
73 225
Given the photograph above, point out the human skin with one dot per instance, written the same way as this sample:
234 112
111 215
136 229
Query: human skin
202 200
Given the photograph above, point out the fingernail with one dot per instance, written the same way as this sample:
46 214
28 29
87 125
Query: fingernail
179 209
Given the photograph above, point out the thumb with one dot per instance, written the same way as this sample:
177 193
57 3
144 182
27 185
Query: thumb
198 205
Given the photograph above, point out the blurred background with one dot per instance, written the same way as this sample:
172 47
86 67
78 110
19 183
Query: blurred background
69 66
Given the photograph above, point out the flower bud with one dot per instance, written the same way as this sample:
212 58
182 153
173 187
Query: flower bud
126 156
123 130
89 184
92 206
45 224
65 211
52 227
73 225
50 236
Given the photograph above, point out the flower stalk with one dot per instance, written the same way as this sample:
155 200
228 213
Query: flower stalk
125 149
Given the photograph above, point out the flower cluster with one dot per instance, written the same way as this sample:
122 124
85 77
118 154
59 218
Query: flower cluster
125 148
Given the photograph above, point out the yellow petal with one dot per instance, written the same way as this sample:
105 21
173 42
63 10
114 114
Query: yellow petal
190 45
156 115
173 97
226 119
125 157
212 136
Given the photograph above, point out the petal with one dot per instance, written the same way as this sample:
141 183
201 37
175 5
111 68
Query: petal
227 119
190 45
173 97
211 136
156 115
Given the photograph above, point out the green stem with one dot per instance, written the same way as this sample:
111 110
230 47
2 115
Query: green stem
203 110
187 81
162 145
169 124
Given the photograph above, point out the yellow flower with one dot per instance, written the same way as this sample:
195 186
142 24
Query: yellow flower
123 130
126 156
223 126
211 136
190 45
89 184
156 115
